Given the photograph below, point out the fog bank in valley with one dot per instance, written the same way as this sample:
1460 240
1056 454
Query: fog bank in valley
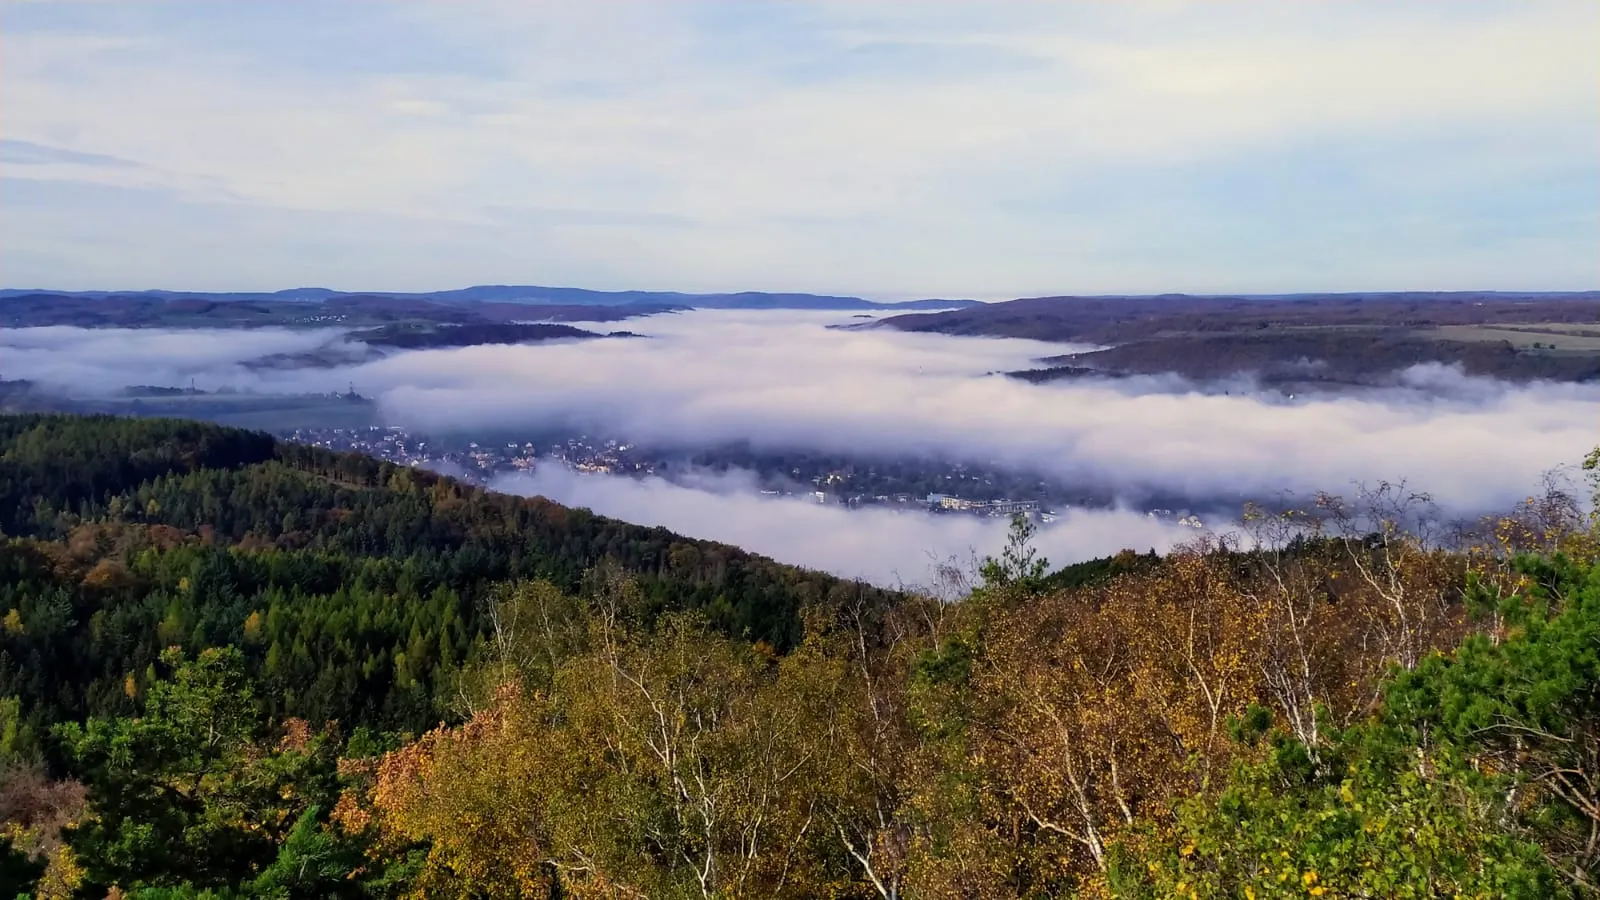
101 361
786 380
881 545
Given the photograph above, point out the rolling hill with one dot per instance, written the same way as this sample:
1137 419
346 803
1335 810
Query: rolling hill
1331 338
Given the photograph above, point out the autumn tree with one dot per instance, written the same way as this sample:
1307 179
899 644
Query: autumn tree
661 762
1094 711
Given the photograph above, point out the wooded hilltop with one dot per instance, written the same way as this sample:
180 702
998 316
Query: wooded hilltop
237 668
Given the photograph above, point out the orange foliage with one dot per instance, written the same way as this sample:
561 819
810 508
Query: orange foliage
107 574
1095 710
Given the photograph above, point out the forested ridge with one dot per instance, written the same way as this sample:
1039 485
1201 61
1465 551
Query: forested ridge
231 667
1342 339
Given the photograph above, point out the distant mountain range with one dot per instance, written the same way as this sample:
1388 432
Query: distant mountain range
530 295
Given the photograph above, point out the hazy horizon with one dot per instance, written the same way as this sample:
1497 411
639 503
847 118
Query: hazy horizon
878 298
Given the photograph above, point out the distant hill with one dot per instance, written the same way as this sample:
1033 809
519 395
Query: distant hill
1322 338
472 335
527 295
1118 319
537 295
31 310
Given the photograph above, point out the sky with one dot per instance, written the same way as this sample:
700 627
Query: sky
890 150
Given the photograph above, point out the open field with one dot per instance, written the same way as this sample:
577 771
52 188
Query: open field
265 412
1543 335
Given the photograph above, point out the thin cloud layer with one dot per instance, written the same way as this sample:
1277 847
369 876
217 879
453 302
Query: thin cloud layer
990 149
101 361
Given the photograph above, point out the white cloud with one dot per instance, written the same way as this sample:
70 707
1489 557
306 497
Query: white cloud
738 146
104 360
785 380
882 546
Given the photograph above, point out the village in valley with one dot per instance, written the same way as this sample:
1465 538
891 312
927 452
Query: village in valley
921 486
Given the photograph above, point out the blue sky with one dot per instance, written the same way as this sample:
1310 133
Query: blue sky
894 149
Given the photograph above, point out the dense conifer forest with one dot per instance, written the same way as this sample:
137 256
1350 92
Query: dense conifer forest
236 668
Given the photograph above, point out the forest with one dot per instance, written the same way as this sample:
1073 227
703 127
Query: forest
418 337
236 668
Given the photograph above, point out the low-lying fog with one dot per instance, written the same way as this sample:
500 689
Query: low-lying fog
881 545
784 379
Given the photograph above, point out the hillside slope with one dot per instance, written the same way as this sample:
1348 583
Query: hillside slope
235 669
140 533
1329 338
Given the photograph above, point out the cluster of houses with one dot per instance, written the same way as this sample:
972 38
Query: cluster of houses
983 507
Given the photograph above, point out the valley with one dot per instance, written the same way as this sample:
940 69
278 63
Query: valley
813 450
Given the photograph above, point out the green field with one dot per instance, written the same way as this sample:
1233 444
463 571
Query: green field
1551 335
262 412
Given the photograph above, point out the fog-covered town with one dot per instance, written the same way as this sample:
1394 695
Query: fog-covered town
946 489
